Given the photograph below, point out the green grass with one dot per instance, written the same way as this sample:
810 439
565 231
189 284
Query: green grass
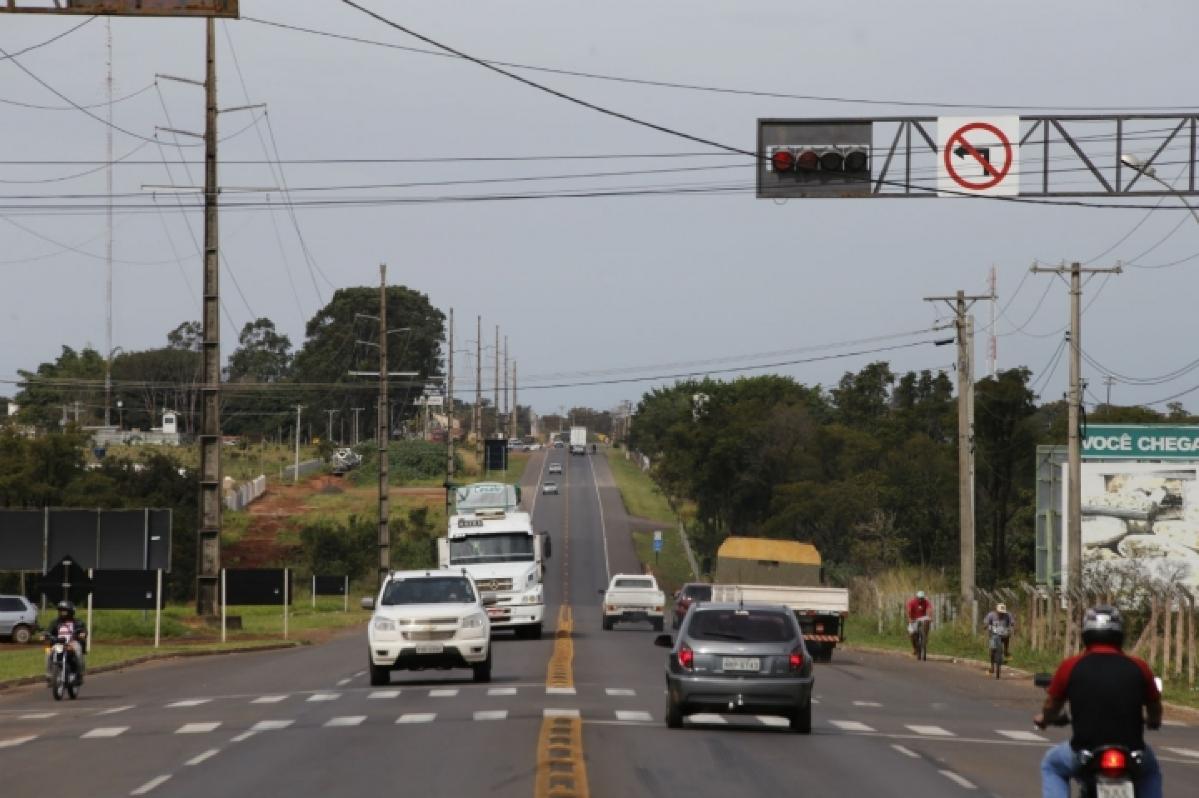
25 661
671 567
641 496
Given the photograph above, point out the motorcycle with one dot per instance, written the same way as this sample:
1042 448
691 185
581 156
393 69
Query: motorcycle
63 676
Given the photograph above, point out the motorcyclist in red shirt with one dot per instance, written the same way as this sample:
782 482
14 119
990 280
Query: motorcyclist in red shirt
919 611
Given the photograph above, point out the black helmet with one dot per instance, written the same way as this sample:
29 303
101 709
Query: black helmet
1103 625
67 607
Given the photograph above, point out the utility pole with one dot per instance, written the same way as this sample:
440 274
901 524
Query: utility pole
1109 381
1073 439
507 407
356 410
384 433
964 327
993 339
479 389
497 382
513 417
296 474
108 258
329 435
449 415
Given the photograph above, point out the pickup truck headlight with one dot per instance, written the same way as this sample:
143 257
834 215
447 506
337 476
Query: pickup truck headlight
474 621
384 625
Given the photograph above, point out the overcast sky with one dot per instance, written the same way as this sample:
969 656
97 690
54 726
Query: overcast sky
588 285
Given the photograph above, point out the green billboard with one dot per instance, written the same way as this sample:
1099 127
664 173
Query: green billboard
1140 442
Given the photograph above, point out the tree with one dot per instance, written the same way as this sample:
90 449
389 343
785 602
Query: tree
189 335
54 389
155 380
262 355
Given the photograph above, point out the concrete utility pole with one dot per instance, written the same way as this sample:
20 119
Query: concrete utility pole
507 407
1073 438
295 475
356 410
1109 381
449 415
329 435
384 433
964 327
108 259
479 388
512 418
496 428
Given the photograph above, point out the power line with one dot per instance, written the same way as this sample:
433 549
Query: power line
51 40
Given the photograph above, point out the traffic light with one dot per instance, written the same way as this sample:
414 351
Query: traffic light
814 158
820 162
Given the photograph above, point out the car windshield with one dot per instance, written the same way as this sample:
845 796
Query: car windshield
699 592
634 583
501 547
750 626
429 590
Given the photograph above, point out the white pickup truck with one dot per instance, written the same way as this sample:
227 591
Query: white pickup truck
633 597
821 611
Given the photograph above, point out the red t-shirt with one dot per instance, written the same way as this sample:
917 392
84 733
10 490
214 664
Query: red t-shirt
1107 690
919 608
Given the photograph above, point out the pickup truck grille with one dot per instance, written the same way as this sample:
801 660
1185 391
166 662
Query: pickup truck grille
494 584
443 634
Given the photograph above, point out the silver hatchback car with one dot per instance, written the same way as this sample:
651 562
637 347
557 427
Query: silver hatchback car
739 659
18 618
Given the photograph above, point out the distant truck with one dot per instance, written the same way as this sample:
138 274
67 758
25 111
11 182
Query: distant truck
578 440
786 572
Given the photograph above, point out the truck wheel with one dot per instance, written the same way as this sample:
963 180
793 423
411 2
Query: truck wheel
658 623
674 714
379 675
482 670
801 721
21 634
607 624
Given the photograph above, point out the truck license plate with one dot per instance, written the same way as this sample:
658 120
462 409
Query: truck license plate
741 664
430 648
1114 789
497 612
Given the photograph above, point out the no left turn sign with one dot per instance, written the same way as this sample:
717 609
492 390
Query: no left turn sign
978 156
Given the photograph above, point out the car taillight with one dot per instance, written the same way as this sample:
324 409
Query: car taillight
686 657
796 659
1112 762
611 608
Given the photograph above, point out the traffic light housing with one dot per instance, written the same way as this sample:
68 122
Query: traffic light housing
814 158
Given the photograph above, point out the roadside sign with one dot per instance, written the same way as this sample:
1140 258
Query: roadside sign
658 540
978 156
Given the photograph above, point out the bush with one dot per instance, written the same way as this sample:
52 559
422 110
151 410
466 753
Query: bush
331 548
408 461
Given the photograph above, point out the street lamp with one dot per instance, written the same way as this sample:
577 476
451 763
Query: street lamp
120 414
1137 165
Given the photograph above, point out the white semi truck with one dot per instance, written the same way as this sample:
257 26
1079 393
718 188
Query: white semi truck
500 550
578 440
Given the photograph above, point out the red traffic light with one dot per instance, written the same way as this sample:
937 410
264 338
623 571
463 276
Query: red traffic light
782 160
808 161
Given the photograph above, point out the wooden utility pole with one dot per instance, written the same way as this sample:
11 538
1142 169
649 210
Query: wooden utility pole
964 327
1073 578
384 433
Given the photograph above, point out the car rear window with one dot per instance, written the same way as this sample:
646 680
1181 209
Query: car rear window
634 583
750 626
698 592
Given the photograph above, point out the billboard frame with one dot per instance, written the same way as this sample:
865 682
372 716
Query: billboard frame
223 9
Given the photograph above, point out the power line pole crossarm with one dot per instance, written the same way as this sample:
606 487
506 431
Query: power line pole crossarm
1073 433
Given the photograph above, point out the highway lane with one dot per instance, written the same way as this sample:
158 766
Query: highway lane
307 722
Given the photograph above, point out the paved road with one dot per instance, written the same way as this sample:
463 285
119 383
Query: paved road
306 723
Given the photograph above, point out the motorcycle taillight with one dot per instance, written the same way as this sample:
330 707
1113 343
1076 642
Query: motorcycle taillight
1113 762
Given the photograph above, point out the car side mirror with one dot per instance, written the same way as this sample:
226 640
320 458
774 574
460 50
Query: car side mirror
489 599
367 603
663 641
1042 679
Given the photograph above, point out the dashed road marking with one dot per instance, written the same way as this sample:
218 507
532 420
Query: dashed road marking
189 702
908 752
114 710
491 714
931 731
620 692
1021 734
204 757
268 699
104 732
867 704
13 742
1176 723
270 725
559 691
417 717
359 674
634 715
773 720
39 715
501 691
851 726
345 720
553 712
344 682
443 693
324 696
198 728
243 736
965 784
707 718
384 694
151 784
1185 752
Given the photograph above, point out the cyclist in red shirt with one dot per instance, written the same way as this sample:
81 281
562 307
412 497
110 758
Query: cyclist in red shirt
919 609
1113 697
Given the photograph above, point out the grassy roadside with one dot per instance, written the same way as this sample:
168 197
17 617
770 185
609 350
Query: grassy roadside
641 496
671 567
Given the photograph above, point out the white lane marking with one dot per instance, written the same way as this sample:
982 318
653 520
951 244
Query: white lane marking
114 710
603 527
443 693
559 691
204 757
634 715
773 720
1021 734
40 715
198 728
243 736
491 714
908 752
958 780
1185 752
551 712
417 717
190 702
815 700
268 699
359 674
104 731
324 696
270 725
620 691
346 720
501 691
931 731
151 784
384 694
1177 723
707 718
867 704
851 726
13 742
343 682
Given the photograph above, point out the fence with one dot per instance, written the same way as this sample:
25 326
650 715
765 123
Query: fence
308 467
245 494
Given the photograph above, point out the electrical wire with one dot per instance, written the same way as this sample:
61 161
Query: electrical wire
1045 376
51 40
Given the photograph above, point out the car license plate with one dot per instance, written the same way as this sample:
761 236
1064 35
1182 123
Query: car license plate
496 612
1114 789
741 664
432 648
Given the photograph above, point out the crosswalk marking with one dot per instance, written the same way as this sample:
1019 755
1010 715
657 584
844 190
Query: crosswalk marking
958 780
1185 752
417 717
270 725
204 757
113 710
1022 735
851 726
773 720
931 731
346 720
443 693
244 736
190 702
268 699
707 718
491 714
197 728
501 691
104 731
620 692
384 694
908 752
551 712
324 696
867 704
559 691
151 784
13 742
38 715
633 715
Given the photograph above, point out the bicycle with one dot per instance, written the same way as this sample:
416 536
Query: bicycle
922 627
999 633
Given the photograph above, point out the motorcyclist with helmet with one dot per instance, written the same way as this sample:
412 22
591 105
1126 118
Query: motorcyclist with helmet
1112 697
65 625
